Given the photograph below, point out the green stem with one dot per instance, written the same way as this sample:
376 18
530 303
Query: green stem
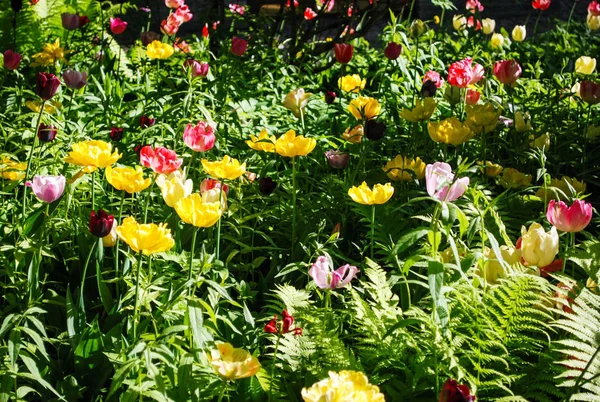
70 104
571 14
192 256
293 205
218 239
137 296
372 229
273 366
148 199
93 190
118 241
222 392
434 227
30 157
537 20
84 275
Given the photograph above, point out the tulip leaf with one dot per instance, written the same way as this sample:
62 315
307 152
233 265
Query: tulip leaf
408 240
36 219
435 274
105 295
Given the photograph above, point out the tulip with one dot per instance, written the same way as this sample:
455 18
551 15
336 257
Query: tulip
200 137
266 185
194 211
196 68
462 74
296 101
434 77
263 142
590 92
364 107
519 33
101 223
452 392
491 169
48 188
593 22
402 168
12 170
92 154
497 41
585 65
231 363
569 219
290 145
417 28
330 97
493 269
46 133
352 83
11 60
159 50
146 122
541 142
488 25
422 110
482 118
380 194
326 278
238 46
440 182
174 187
70 21
337 159
522 122
392 51
227 168
473 6
353 135
459 22
594 8
472 97
374 130
47 85
541 5
183 14
211 184
147 37
145 238
472 22
507 71
127 179
512 178
16 5
116 133
117 26
449 131
111 238
170 26
160 160
344 386
538 246
74 79
343 52
428 89
174 3
284 326
51 52
309 14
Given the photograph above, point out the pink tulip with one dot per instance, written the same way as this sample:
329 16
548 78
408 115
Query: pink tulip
174 3
11 60
594 8
170 26
200 137
74 79
161 159
183 14
440 182
210 184
117 26
48 188
197 68
507 71
473 5
569 219
472 97
325 278
462 74
238 46
434 77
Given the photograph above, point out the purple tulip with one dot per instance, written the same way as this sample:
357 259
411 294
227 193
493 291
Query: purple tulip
337 159
70 21
74 79
48 188
441 184
46 133
326 278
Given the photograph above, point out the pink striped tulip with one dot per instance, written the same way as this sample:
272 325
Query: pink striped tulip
326 278
569 219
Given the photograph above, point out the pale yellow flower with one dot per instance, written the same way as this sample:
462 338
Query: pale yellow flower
233 363
402 168
263 142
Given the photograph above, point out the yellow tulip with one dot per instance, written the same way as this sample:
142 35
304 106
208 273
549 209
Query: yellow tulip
291 145
352 83
482 118
512 178
342 387
449 131
174 187
459 22
233 363
111 239
421 111
593 22
522 122
561 189
215 195
50 106
12 170
51 52
585 65
354 135
493 269
296 101
159 50
192 210
403 169
127 179
263 142
541 142
145 238
488 25
92 154
490 169
227 168
497 41
538 246
380 194
364 107
519 33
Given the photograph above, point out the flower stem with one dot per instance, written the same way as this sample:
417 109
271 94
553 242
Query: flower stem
93 190
218 239
293 205
273 366
222 392
30 157
137 296
372 228
118 241
192 256
148 199
84 275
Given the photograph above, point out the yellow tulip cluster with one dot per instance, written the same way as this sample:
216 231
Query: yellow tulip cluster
291 145
227 168
450 131
128 179
343 386
194 211
352 83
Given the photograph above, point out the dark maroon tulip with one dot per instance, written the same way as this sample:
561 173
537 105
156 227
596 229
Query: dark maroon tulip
83 21
428 89
146 121
590 92
343 52
374 130
266 185
337 159
16 5
46 133
101 223
452 392
47 85
148 37
11 60
330 97
238 46
392 51
70 21
116 133
74 79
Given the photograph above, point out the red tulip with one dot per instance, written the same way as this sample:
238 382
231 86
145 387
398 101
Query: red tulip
11 59
462 74
238 46
507 71
452 392
392 51
276 327
47 85
590 92
101 223
472 97
146 122
205 31
569 219
541 5
83 21
46 133
594 8
117 26
271 326
309 14
266 185
343 52
200 137
116 133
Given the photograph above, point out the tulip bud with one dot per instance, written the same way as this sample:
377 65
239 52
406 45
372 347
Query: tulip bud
589 92
11 60
417 28
197 69
519 33
70 22
209 184
238 46
392 51
428 89
538 246
343 52
585 65
46 133
266 185
497 41
374 130
472 97
74 79
47 85
330 97
522 122
117 26
593 22
337 159
146 122
111 239
101 223
116 133
459 22
488 25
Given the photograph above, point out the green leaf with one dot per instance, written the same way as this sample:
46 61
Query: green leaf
435 276
408 240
